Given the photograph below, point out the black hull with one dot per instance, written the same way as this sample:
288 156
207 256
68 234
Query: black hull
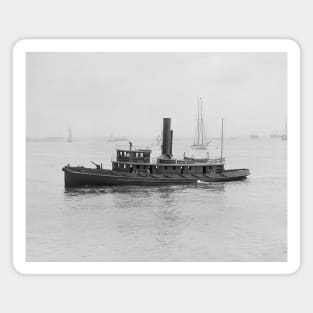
78 177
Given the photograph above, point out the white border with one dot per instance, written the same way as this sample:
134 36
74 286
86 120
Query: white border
154 45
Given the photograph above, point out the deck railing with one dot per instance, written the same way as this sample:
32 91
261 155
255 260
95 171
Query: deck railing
126 147
178 162
209 161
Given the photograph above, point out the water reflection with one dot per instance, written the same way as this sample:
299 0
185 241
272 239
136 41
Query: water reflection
211 186
124 197
163 190
168 225
99 190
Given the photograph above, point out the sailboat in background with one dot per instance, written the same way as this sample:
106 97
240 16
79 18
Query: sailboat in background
69 136
158 140
200 142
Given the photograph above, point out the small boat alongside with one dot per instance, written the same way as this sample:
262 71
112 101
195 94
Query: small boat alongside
134 166
194 159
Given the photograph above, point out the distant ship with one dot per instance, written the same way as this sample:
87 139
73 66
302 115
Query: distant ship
200 142
254 136
284 136
45 139
133 166
69 136
275 134
117 138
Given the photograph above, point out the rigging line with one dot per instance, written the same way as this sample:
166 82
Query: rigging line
202 129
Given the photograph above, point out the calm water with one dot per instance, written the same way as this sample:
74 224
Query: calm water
234 221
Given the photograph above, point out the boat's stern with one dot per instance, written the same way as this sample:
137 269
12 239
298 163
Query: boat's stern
71 176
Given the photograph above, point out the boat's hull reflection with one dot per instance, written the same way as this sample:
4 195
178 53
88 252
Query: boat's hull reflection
96 190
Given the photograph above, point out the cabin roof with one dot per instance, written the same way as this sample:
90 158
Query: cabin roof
134 150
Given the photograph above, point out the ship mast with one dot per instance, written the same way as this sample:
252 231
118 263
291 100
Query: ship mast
199 139
201 122
198 124
222 139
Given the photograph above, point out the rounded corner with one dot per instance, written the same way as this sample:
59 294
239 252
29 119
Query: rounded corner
19 44
295 267
294 45
18 268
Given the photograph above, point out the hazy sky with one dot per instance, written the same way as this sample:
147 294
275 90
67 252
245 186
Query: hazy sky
129 93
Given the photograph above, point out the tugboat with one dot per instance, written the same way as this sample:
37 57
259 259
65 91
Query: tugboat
133 166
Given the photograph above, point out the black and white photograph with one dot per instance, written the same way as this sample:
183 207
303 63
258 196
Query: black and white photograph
156 157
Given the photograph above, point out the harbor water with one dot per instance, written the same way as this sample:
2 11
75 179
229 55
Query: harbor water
232 221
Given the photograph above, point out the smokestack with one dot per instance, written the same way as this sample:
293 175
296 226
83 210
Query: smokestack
167 142
171 150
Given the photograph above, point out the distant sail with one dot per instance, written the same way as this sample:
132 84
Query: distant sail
200 142
69 136
158 139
